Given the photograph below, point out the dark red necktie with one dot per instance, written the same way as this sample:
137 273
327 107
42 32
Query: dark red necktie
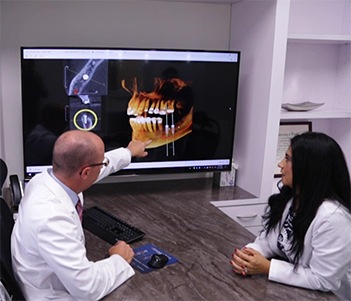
79 208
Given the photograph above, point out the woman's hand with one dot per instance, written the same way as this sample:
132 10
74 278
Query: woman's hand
248 261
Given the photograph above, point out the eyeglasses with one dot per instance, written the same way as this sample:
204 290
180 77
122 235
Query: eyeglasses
104 163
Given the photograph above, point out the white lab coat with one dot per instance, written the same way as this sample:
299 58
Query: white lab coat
326 261
48 244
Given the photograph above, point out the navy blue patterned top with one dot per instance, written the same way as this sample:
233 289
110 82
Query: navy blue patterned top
286 233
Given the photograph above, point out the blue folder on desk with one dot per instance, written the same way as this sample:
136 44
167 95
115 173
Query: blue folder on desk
143 255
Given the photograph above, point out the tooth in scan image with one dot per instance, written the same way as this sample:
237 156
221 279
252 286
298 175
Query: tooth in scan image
163 115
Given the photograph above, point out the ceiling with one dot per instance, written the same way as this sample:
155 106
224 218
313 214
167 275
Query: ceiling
203 1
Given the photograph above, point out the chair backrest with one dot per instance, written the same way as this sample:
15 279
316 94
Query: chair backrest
3 173
6 272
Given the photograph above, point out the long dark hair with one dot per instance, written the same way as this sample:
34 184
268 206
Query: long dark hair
319 172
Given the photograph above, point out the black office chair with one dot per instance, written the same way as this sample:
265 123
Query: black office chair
3 174
16 192
6 273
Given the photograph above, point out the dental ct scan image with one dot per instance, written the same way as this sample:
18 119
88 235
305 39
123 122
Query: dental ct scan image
185 102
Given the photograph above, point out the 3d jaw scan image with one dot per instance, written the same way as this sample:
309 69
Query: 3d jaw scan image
163 115
184 101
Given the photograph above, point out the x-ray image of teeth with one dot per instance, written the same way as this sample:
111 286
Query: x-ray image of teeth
85 81
84 117
84 78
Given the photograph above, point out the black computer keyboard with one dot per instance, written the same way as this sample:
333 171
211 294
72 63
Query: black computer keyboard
109 227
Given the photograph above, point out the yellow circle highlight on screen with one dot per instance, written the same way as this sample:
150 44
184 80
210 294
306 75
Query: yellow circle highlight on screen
78 113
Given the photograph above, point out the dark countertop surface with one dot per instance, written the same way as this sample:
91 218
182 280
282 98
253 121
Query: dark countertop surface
177 216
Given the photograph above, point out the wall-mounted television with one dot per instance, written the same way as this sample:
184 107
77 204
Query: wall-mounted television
183 100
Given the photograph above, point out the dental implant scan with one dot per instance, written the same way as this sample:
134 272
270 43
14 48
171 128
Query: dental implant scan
183 100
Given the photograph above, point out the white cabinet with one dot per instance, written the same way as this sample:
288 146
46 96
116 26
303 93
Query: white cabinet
292 51
318 67
246 212
249 216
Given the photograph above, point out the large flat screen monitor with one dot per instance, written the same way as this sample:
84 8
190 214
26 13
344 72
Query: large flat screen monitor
183 100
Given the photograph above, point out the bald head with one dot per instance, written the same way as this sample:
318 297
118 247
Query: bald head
74 150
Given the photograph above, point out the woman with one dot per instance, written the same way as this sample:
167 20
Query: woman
306 239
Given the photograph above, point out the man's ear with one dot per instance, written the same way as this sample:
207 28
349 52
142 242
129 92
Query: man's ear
85 172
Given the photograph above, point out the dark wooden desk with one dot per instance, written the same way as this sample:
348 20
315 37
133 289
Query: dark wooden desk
177 217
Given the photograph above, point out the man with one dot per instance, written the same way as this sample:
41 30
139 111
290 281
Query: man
48 245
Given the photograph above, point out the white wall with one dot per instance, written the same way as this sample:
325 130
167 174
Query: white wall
2 149
263 43
119 23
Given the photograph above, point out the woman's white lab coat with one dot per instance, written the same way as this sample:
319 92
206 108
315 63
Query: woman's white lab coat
326 261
